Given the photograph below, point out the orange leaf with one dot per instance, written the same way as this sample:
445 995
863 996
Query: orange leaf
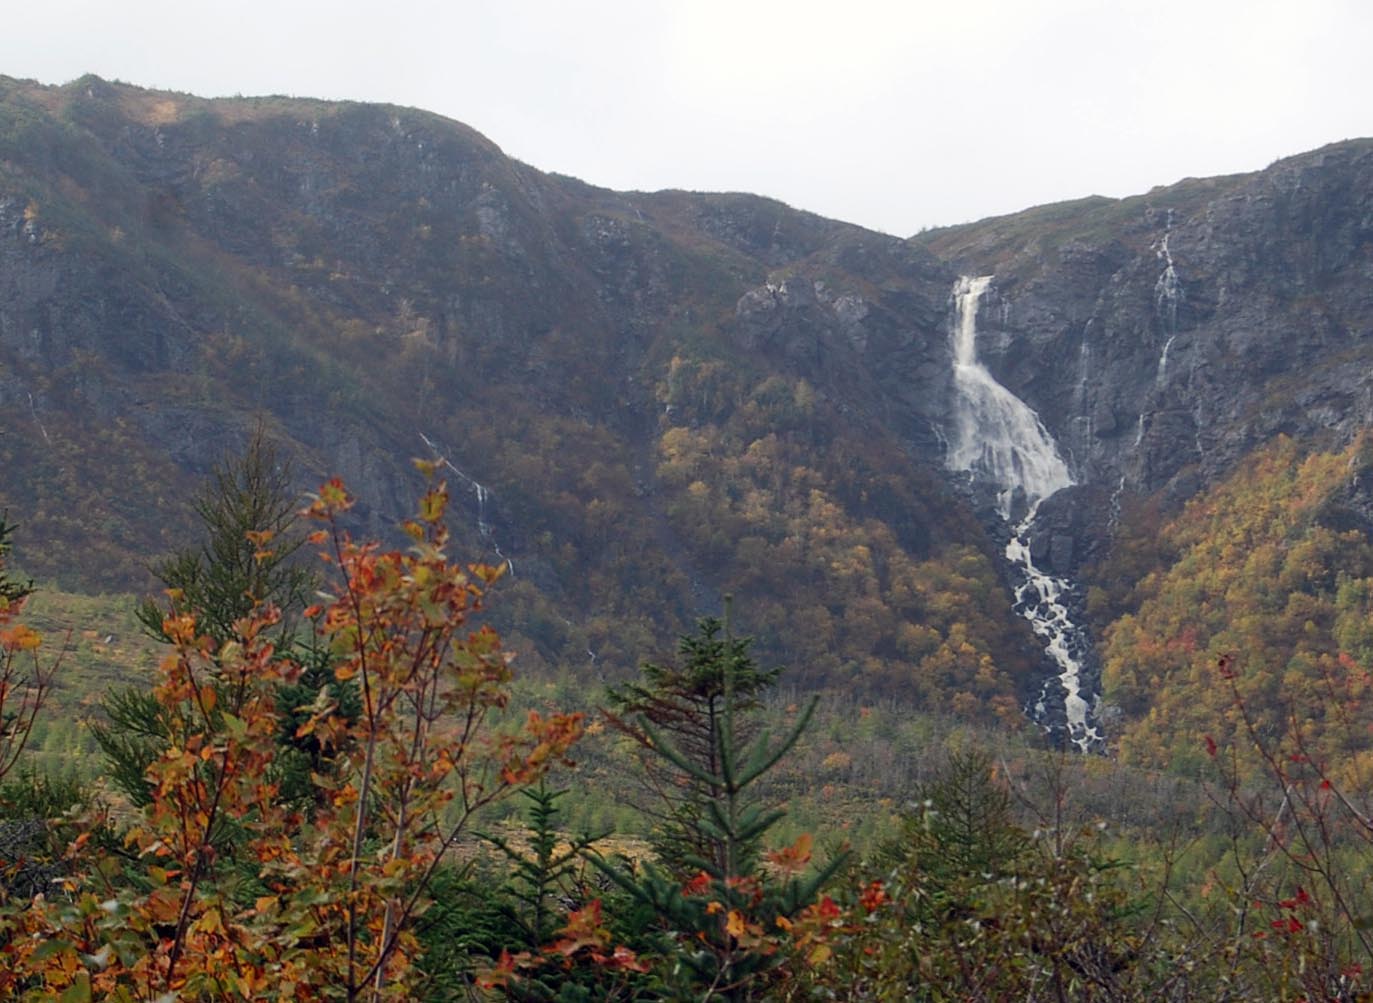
795 858
624 958
734 923
20 638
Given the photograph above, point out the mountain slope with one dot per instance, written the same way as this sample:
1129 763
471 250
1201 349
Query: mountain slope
646 399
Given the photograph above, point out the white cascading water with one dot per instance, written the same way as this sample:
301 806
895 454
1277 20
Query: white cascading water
1168 296
1161 374
482 493
1168 288
998 437
995 433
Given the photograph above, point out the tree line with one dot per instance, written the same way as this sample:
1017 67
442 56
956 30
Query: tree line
294 810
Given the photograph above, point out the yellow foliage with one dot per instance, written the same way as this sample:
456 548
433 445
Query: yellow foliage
1258 578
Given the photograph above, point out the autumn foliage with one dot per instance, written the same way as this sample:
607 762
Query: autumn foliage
1272 571
222 887
25 678
227 893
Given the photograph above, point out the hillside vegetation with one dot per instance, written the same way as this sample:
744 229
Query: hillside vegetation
313 811
1272 569
187 269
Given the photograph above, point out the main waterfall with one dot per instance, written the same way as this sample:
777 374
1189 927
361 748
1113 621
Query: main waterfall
1000 439
995 433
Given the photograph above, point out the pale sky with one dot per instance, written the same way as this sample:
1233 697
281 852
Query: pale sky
894 115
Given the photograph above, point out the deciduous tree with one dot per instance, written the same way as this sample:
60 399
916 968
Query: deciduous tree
327 907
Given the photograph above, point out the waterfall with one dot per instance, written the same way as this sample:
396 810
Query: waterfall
995 434
1161 376
1167 295
1167 288
481 492
998 438
1040 599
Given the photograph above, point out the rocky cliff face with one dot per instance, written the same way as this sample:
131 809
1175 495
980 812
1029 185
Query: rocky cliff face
651 397
1163 337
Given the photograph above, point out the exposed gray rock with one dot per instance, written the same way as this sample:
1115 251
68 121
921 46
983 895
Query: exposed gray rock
180 279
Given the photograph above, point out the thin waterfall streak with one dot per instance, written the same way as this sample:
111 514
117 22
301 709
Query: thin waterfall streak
1161 376
481 492
1168 288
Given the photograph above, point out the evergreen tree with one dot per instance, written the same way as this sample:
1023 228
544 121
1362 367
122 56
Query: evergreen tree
247 510
964 828
12 590
693 729
543 891
687 706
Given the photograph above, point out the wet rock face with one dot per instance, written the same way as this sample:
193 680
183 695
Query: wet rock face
1179 329
797 315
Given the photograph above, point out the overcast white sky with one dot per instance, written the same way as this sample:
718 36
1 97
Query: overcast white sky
895 115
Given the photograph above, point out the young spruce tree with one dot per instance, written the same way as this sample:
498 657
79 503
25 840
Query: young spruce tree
720 926
245 561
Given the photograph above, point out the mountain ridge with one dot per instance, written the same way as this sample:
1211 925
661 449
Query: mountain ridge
653 398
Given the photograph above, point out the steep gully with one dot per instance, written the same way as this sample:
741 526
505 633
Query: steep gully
1000 441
